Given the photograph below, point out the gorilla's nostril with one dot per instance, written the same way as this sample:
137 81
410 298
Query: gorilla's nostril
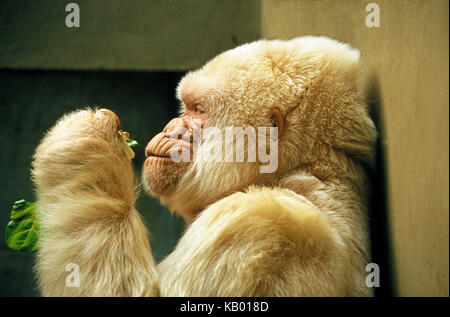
108 112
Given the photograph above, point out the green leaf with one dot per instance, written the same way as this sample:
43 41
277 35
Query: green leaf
22 231
132 143
22 208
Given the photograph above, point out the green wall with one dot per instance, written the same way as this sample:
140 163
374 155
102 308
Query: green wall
125 35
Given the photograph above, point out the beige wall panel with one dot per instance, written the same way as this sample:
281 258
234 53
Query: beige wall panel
406 58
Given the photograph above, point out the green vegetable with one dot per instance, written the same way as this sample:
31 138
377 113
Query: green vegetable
132 143
22 231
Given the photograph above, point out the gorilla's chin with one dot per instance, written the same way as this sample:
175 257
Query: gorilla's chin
161 175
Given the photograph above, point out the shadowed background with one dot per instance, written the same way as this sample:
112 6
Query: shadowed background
31 103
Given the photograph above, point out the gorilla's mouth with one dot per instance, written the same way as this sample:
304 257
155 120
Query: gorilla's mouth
161 146
161 171
156 156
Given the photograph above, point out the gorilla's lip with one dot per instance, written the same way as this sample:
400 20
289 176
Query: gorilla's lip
152 155
164 148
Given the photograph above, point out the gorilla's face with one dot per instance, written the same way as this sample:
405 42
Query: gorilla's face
214 147
304 89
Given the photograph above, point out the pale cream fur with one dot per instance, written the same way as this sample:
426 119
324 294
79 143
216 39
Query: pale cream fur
300 231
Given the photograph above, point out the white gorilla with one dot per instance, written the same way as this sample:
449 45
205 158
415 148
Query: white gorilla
299 231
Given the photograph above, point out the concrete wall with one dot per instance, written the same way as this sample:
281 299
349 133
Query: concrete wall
123 35
406 76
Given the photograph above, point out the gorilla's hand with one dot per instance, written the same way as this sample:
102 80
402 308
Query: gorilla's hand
85 186
85 152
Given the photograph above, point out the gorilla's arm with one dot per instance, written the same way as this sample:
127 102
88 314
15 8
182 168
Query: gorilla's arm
85 185
264 242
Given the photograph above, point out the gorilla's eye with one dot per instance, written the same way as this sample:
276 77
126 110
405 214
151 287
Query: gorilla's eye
198 109
277 120
274 122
